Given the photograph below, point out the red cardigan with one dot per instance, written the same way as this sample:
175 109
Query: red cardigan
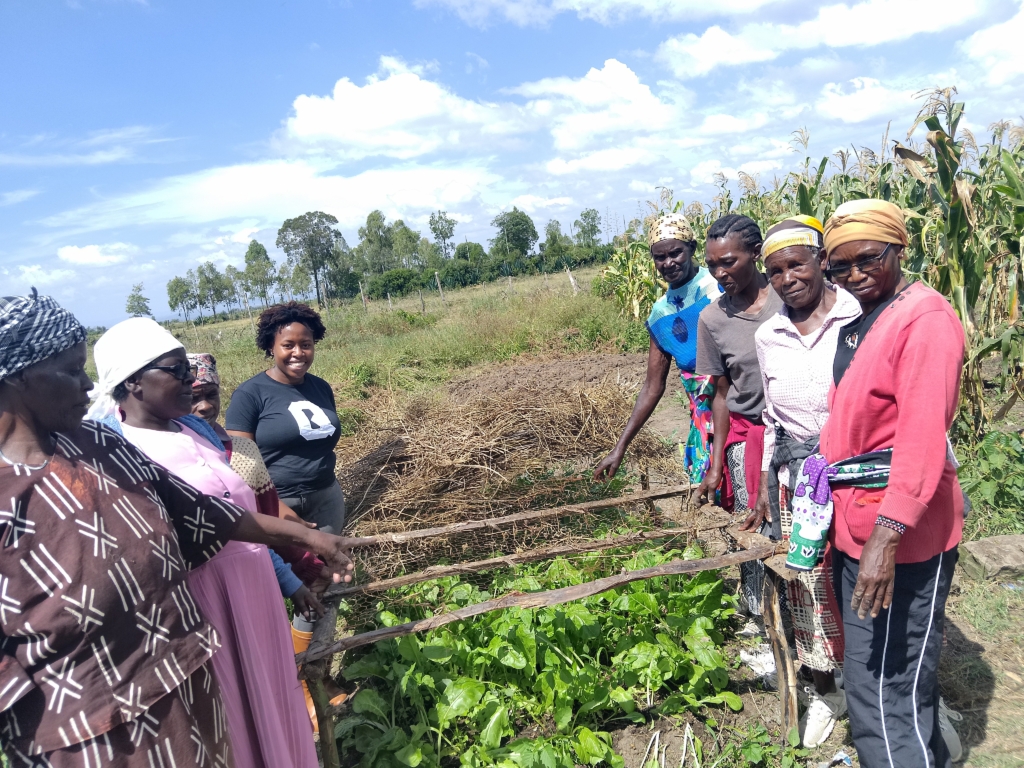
901 391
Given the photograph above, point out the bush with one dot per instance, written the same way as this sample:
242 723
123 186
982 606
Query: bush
396 282
459 273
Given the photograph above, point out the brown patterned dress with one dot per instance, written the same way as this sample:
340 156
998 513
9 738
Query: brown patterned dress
104 652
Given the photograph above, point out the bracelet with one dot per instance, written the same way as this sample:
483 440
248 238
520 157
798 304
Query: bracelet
892 525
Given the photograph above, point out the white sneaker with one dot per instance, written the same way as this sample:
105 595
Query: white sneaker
751 629
820 718
949 734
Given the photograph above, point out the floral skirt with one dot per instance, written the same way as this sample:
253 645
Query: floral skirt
697 450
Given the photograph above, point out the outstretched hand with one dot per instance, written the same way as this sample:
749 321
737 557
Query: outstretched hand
335 552
708 486
608 467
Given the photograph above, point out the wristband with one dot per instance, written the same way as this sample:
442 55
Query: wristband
892 525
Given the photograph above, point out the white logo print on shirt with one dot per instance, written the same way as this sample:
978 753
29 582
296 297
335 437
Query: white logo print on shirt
313 422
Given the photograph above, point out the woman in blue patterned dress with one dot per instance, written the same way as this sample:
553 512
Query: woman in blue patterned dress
672 325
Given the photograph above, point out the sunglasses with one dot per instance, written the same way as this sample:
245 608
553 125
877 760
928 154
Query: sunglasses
867 266
181 371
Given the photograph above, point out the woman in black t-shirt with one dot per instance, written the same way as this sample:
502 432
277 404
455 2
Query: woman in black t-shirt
291 416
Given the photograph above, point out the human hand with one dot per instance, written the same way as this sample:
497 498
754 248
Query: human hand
762 511
287 513
609 466
334 551
708 486
322 582
874 587
306 603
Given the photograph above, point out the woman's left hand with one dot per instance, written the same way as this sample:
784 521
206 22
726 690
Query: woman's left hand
305 602
874 587
334 550
708 486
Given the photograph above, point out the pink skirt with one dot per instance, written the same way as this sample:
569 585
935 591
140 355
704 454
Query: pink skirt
255 666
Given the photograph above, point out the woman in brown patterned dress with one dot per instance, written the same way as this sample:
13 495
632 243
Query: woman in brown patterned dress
103 655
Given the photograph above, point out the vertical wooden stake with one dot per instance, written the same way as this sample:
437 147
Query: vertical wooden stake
780 648
575 285
423 305
362 295
389 301
510 288
314 673
440 290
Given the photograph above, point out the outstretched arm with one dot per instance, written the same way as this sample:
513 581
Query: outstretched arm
272 531
658 364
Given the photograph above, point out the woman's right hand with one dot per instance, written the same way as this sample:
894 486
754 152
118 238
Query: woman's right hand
335 552
306 603
608 467
761 511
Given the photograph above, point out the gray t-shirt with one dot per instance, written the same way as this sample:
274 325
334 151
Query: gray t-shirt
725 346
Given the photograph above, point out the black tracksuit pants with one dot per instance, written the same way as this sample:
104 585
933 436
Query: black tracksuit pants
891 665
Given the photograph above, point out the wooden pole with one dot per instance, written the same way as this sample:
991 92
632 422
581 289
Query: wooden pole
315 672
440 290
780 648
362 295
575 285
423 304
508 561
390 306
538 514
537 600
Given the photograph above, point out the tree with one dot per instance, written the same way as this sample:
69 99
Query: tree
443 229
240 287
212 287
181 296
405 244
516 232
137 304
588 228
259 271
471 252
310 239
376 246
555 245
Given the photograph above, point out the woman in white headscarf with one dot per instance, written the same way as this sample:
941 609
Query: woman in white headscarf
145 392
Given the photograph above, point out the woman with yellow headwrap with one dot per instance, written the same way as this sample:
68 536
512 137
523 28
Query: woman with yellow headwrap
672 325
885 488
795 351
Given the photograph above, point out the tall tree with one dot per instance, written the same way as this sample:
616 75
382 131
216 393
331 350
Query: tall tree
259 271
310 239
240 287
405 244
181 296
516 232
137 304
213 287
376 243
443 228
554 245
588 228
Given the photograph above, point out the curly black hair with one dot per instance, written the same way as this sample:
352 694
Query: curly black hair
272 319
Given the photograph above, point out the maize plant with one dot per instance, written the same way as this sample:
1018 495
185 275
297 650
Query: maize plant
964 207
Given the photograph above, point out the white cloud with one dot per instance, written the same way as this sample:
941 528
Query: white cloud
98 148
704 171
398 113
475 63
532 203
275 190
615 159
16 196
998 49
96 255
760 166
540 12
866 99
35 274
718 124
868 23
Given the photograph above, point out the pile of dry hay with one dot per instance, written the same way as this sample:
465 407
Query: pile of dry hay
440 460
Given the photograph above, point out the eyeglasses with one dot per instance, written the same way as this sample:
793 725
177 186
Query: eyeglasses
865 267
181 371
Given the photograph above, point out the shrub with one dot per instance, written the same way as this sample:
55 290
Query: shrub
396 282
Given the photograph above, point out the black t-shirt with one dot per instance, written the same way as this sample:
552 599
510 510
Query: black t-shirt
296 429
852 335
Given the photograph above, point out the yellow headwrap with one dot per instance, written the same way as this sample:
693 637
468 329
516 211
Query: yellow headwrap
865 220
671 226
796 230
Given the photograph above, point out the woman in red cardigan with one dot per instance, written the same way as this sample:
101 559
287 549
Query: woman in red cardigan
897 378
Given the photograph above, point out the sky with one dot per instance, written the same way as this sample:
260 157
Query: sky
140 138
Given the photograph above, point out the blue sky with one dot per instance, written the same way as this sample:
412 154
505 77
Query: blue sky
139 138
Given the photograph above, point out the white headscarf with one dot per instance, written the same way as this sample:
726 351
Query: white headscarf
124 349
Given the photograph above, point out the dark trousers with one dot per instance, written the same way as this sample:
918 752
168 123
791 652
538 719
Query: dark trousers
891 665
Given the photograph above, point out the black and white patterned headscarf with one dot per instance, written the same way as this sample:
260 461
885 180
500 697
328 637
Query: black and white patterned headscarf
33 328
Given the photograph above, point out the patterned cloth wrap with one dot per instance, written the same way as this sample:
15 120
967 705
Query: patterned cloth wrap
33 328
697 450
206 369
812 500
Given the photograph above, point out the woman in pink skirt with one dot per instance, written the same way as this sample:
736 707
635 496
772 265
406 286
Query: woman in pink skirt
147 379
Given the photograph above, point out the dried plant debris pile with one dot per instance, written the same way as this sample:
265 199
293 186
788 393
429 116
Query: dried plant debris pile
455 458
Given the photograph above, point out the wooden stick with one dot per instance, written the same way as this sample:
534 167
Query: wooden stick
507 561
440 290
780 648
538 599
314 673
539 514
423 305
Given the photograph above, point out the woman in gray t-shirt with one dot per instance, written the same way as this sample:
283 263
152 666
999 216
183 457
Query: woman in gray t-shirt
726 351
